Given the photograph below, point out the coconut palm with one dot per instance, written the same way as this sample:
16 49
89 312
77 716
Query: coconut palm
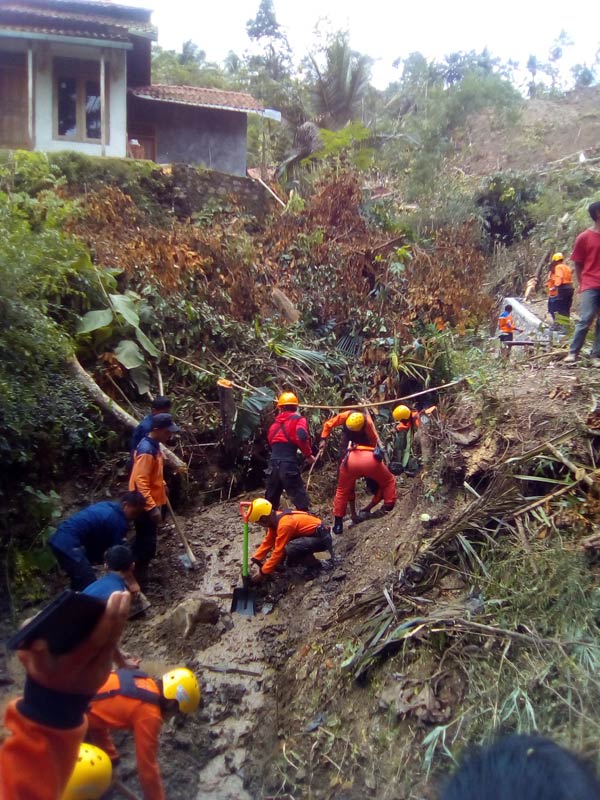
339 84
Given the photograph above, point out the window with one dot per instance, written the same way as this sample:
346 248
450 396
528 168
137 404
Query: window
78 103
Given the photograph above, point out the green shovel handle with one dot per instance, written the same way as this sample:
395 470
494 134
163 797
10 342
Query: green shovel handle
245 558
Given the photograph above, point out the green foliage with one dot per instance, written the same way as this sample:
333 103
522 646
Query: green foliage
339 79
46 281
344 146
124 312
504 200
187 68
143 181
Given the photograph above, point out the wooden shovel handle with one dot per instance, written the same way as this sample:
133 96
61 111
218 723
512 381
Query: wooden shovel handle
182 536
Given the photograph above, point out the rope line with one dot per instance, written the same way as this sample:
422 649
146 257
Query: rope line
364 404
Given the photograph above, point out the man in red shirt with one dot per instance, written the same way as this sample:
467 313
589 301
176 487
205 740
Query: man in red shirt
288 434
586 257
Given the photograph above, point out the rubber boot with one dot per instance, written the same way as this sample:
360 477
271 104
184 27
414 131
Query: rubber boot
338 526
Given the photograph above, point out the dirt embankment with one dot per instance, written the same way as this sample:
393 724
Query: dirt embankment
548 129
281 714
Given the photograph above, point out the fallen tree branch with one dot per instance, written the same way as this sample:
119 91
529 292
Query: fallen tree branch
109 405
552 496
568 463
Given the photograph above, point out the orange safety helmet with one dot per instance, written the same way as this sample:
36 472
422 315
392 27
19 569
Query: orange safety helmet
287 399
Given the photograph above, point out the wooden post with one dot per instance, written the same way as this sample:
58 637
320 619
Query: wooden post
263 160
30 97
227 408
103 108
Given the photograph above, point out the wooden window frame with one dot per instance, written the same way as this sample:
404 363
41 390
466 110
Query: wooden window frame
80 71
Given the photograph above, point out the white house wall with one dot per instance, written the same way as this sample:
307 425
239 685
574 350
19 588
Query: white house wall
44 55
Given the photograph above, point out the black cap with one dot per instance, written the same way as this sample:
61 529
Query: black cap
161 403
118 558
164 422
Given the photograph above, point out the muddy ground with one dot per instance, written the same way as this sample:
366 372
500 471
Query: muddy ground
288 721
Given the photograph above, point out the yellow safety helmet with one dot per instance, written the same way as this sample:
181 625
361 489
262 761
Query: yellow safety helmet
259 508
92 775
287 399
557 257
181 684
355 421
400 413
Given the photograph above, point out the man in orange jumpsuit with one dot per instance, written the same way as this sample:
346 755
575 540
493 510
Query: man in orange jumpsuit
147 477
361 461
560 287
47 725
291 535
367 435
132 700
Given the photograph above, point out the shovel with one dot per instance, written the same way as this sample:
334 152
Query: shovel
244 597
188 559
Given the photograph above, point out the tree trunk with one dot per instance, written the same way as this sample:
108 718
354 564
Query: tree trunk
108 404
227 408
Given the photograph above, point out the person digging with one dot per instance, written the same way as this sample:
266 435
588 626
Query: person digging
362 461
82 540
292 538
132 700
147 477
119 577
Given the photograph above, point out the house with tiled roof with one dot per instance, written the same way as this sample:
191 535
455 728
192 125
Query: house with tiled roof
76 74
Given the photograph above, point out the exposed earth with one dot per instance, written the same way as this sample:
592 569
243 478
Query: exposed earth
280 716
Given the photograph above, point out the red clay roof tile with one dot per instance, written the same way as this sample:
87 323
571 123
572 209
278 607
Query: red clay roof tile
198 96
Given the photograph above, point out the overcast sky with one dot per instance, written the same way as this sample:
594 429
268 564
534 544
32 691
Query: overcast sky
387 29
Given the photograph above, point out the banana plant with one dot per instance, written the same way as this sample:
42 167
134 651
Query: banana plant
124 311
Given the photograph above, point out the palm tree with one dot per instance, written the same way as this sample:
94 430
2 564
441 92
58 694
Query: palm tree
339 86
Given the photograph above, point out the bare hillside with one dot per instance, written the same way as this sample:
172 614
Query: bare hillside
547 130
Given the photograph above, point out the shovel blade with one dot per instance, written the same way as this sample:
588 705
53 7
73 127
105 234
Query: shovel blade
242 601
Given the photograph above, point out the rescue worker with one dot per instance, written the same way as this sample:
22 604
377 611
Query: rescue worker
361 461
119 564
560 287
507 327
358 428
288 434
92 776
407 420
147 477
291 535
160 405
132 700
46 726
83 539
366 435
410 430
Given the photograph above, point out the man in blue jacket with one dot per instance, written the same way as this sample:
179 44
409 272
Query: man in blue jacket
119 574
160 405
83 539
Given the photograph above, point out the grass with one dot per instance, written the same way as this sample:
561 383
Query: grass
551 594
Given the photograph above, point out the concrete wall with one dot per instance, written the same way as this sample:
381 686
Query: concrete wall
184 134
44 55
